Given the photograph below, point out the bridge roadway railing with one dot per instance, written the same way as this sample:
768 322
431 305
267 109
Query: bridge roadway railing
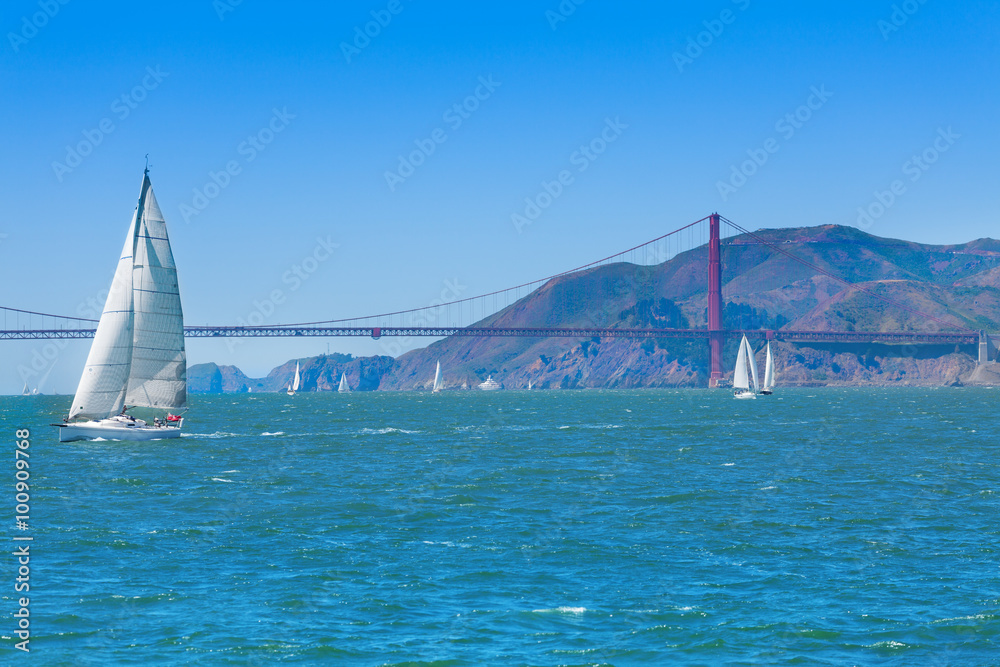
889 337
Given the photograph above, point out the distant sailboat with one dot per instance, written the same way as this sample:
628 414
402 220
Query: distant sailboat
25 392
137 358
343 387
746 368
768 388
530 385
294 387
438 385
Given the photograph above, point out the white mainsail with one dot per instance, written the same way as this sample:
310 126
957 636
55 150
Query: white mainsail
769 369
298 378
137 357
437 378
343 383
741 379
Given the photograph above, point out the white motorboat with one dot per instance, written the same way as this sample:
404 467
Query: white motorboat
490 384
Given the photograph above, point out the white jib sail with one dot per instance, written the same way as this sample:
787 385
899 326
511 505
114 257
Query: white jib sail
101 392
740 378
437 378
343 383
158 376
769 370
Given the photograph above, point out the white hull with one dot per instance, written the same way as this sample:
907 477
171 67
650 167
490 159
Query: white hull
489 385
744 394
113 429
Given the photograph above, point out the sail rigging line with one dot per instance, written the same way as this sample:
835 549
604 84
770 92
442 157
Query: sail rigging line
848 283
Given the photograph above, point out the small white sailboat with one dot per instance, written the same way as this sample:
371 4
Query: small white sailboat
490 384
343 386
768 387
294 387
137 358
25 392
746 368
438 384
530 385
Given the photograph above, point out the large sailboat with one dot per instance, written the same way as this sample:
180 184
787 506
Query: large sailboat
343 386
137 359
438 384
768 387
294 387
746 368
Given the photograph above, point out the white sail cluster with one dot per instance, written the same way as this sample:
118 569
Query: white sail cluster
137 357
745 372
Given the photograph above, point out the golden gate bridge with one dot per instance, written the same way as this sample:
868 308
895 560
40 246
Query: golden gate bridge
423 322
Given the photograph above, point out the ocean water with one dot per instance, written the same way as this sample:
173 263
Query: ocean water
819 526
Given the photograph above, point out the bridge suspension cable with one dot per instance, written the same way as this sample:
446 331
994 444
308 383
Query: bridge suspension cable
644 253
479 305
658 258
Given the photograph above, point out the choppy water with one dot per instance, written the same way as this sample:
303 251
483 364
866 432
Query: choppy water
592 527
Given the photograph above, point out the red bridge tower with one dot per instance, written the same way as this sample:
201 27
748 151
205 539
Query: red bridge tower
716 335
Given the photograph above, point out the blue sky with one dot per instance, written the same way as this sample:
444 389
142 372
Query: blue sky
310 127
